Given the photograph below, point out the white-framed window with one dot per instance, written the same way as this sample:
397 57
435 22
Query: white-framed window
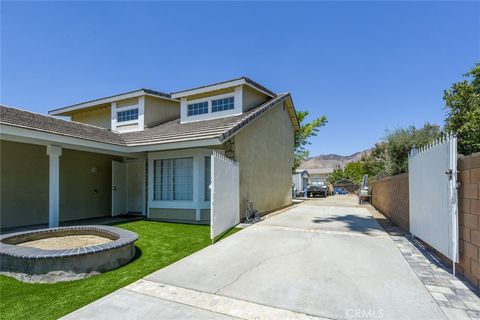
207 178
223 104
212 107
173 179
197 108
127 115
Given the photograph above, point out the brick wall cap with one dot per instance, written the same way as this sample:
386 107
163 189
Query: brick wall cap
469 162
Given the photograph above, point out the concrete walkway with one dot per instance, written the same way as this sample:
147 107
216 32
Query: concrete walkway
322 259
457 298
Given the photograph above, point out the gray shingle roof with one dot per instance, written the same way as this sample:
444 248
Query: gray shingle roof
157 93
29 120
173 131
259 86
221 128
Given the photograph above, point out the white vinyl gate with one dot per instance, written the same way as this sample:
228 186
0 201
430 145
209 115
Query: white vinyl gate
225 195
432 174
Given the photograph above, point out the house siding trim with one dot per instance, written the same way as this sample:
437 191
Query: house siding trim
128 126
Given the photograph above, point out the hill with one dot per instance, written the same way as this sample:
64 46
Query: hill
331 161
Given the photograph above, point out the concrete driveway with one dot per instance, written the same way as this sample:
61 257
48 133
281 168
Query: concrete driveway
323 258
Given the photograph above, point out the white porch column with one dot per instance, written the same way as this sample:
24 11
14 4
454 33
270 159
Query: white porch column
197 185
54 154
141 113
183 109
238 100
113 114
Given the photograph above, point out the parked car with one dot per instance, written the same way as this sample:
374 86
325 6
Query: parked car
364 192
317 188
339 191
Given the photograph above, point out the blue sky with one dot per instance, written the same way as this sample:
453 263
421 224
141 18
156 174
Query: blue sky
368 66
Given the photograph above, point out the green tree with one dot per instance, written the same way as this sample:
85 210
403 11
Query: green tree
390 157
462 102
337 174
307 130
353 171
401 141
374 162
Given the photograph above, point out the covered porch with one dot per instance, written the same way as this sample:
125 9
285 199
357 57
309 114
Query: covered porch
52 179
54 184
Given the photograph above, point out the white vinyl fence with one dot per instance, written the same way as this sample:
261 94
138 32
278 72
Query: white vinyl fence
225 197
432 174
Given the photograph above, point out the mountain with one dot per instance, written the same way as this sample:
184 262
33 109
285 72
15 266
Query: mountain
331 161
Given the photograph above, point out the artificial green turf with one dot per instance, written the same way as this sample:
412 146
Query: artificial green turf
159 245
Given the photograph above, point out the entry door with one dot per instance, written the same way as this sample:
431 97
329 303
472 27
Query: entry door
136 186
119 188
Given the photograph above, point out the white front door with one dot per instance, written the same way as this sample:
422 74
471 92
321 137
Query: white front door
136 186
119 188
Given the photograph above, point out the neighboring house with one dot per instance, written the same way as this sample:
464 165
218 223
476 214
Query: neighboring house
345 185
300 180
146 152
319 174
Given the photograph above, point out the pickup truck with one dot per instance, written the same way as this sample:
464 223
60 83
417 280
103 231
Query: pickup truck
317 189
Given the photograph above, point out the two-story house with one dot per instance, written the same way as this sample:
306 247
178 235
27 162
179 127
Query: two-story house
146 152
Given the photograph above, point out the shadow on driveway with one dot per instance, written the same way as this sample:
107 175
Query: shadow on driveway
351 222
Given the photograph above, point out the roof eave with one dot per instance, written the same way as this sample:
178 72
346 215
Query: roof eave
223 85
293 114
251 118
174 145
65 111
30 135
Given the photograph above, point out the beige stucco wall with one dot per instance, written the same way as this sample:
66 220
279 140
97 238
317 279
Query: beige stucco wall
84 194
24 184
252 98
179 215
98 117
264 150
210 93
127 102
160 110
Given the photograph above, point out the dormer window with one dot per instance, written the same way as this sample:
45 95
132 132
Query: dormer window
223 104
127 115
198 108
227 103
